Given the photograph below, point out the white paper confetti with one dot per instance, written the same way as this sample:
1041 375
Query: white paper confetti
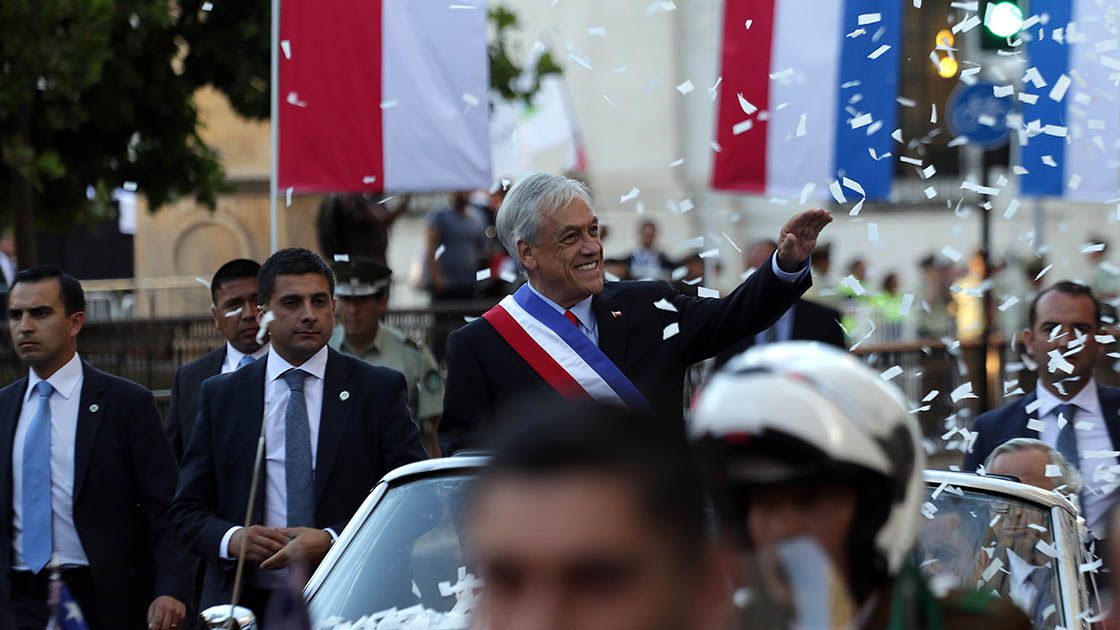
286 47
1052 470
234 313
746 105
705 292
665 305
670 330
685 88
1008 303
633 194
482 274
962 392
890 373
951 254
879 52
1058 92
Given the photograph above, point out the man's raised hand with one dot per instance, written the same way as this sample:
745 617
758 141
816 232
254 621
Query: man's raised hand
798 237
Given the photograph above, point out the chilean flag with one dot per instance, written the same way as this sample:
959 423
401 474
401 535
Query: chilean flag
383 95
1070 100
807 99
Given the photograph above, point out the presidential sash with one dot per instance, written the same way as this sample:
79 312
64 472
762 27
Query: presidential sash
559 352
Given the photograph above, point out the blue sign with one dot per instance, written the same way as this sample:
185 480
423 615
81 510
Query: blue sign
976 113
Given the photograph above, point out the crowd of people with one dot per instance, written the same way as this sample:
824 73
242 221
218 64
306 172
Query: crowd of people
593 512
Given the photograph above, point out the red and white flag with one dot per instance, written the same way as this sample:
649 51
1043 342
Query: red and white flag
383 95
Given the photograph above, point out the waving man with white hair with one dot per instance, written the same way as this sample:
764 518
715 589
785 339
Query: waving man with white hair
568 334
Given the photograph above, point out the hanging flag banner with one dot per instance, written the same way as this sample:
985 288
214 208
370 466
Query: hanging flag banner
382 95
1071 122
807 97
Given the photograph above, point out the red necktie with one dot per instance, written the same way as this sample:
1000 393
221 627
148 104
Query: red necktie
572 318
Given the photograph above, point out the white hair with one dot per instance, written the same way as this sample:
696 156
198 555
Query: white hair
1069 480
540 194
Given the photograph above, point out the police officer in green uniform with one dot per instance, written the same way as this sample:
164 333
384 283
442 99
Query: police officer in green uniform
362 288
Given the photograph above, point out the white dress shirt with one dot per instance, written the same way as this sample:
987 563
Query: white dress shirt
590 327
64 402
1092 435
276 395
233 357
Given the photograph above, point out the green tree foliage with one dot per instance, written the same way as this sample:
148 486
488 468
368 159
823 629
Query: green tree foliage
96 94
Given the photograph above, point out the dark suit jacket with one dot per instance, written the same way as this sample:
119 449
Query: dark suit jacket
1010 421
811 322
184 397
360 439
484 373
124 479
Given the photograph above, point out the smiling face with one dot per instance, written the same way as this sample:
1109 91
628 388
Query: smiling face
303 309
566 263
44 336
235 313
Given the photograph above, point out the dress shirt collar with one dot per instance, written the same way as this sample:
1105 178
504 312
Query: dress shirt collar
581 309
233 355
1086 399
315 366
63 381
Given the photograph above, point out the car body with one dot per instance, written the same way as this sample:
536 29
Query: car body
400 557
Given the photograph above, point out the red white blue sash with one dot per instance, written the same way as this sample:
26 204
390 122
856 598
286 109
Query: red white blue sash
559 352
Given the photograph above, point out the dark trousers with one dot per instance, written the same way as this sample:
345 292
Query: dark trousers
30 594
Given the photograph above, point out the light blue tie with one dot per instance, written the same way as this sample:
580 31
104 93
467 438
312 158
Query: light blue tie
1067 439
297 454
245 360
37 535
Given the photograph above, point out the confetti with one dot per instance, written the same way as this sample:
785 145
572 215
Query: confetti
633 194
746 105
286 47
861 121
801 126
482 274
962 392
890 373
836 191
1052 470
685 88
992 569
951 253
1008 303
854 185
1058 92
879 52
705 292
670 331
742 127
207 6
781 74
1012 208
1001 91
234 313
933 114
931 395
440 250
266 320
1046 548
1044 271
868 18
203 281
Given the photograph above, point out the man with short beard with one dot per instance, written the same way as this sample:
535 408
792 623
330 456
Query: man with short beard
1067 410
566 334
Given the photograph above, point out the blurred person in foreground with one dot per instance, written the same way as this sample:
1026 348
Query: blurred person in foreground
86 476
233 294
804 442
332 425
1067 410
568 334
363 299
591 516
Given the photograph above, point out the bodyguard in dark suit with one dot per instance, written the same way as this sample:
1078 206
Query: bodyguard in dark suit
648 332
87 476
1067 409
333 425
233 292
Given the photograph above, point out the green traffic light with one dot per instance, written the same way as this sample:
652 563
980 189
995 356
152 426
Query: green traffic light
1005 19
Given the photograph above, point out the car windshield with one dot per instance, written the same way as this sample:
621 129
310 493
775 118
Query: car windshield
404 563
995 544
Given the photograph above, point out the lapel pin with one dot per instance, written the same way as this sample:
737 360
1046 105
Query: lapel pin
93 408
616 314
344 395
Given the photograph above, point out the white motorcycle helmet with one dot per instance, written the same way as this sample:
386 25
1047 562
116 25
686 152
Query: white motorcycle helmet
802 412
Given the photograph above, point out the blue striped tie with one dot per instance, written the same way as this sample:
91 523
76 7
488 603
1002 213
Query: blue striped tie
297 454
37 534
245 360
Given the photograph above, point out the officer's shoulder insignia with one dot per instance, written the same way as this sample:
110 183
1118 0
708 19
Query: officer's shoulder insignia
432 381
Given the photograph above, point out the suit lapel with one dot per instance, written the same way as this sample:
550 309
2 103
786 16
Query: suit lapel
1110 409
333 419
1024 417
613 328
246 430
9 418
90 410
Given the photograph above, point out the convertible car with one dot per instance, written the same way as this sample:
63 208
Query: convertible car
399 561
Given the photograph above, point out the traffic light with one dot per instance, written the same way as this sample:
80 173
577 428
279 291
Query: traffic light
1002 19
943 45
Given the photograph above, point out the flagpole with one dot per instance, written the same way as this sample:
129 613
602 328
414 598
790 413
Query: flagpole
274 131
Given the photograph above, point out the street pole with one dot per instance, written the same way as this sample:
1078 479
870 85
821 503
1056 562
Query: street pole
274 132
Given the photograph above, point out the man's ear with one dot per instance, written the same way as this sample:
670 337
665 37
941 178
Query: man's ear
1028 340
214 314
525 255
